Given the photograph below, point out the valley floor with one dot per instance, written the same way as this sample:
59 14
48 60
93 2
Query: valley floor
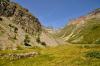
63 55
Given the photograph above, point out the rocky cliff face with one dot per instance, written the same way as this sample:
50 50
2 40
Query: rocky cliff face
83 30
17 26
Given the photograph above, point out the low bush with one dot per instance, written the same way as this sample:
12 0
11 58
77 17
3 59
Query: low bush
97 41
93 54
27 40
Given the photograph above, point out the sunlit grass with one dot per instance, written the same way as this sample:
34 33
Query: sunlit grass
63 55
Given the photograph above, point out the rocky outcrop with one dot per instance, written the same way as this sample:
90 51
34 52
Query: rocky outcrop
15 24
18 56
20 16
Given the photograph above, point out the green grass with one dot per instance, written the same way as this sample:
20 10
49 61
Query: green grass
63 55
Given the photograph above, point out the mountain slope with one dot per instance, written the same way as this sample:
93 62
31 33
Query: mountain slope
48 36
17 26
83 30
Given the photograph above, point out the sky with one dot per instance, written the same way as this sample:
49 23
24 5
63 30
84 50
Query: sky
57 13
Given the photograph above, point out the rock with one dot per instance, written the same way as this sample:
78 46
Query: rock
17 22
19 56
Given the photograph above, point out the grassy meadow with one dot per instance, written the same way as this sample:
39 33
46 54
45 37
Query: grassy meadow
63 55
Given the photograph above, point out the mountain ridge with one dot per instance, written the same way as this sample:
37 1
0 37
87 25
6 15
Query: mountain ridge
76 27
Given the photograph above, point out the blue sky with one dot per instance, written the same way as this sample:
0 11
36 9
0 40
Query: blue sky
57 13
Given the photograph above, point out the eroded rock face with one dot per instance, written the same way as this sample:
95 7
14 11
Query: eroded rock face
20 16
16 22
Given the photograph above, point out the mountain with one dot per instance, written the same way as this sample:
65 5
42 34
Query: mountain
83 30
49 38
17 26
